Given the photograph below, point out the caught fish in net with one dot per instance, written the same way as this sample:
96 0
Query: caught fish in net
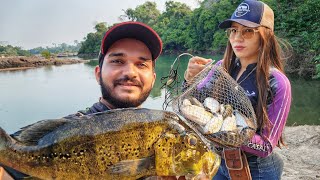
216 105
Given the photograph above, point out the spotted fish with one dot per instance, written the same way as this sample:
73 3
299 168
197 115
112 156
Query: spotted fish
127 143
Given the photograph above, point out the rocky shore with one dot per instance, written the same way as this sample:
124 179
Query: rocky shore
302 155
21 62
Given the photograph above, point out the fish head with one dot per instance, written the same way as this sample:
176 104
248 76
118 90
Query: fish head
4 139
184 154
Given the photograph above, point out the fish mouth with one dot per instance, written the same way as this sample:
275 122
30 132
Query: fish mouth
215 166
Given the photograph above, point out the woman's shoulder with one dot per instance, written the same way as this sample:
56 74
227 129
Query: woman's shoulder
276 73
278 79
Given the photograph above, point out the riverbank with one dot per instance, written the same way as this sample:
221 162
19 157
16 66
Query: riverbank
22 62
302 155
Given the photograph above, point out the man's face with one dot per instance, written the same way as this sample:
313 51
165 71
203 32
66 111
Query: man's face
126 76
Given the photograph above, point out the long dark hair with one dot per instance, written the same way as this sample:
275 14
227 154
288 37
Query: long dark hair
269 56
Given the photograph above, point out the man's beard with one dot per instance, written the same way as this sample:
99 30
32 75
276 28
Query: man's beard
122 103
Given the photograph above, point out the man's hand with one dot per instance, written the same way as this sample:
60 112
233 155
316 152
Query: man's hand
4 175
195 65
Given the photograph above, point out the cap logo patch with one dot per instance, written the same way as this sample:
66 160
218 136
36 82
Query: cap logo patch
242 10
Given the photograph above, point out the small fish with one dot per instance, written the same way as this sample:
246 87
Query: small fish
229 124
214 125
212 104
195 113
118 144
195 101
227 111
222 108
186 102
241 122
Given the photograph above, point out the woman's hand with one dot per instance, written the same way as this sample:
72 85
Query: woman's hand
195 65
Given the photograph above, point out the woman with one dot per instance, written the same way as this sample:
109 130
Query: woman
252 58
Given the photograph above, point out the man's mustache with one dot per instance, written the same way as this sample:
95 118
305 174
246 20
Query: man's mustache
127 79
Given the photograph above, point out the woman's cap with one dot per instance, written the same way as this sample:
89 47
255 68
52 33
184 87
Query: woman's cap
251 13
134 30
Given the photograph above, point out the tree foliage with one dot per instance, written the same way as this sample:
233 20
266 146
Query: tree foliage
91 43
58 48
182 29
13 51
46 54
173 26
146 13
299 23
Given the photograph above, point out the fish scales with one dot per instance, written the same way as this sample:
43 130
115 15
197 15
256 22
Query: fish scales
118 144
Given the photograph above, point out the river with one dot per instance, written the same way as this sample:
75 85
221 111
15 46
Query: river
27 96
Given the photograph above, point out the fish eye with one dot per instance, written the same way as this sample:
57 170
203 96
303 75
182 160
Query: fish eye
192 139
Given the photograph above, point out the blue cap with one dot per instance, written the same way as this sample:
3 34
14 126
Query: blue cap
251 13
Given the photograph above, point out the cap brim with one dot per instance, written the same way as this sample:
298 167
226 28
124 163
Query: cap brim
227 23
135 30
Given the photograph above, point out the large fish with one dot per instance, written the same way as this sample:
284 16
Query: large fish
118 144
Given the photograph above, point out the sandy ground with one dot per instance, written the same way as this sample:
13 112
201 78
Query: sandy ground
21 62
302 156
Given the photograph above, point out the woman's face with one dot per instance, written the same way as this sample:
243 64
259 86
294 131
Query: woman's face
245 42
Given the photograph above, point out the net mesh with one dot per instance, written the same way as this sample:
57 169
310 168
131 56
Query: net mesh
216 105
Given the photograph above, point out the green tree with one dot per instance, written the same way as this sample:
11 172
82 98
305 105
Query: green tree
204 32
91 44
298 23
146 13
13 51
128 14
173 26
101 27
46 54
183 29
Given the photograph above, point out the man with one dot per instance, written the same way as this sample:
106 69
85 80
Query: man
126 70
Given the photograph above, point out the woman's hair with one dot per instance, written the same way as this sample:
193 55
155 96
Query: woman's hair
269 56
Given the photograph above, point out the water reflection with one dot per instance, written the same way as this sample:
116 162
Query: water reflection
305 102
92 63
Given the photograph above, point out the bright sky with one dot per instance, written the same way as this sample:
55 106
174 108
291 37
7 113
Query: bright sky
34 23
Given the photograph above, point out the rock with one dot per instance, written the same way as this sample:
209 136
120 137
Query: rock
21 62
302 155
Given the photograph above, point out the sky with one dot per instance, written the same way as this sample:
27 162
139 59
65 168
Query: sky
34 23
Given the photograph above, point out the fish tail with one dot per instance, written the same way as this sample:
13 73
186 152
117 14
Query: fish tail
4 139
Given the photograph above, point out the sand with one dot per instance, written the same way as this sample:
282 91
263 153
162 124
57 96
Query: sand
302 156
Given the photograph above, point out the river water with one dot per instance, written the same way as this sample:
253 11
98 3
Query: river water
27 96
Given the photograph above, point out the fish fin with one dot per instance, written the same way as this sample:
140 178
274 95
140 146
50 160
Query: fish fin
133 167
4 139
30 135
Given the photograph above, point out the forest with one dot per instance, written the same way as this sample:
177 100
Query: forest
196 31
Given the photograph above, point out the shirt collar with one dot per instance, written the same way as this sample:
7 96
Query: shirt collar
237 64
